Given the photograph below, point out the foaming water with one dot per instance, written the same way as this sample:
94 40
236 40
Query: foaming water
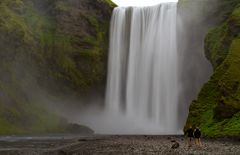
142 87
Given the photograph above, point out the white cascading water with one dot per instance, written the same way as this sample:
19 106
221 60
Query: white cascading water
143 67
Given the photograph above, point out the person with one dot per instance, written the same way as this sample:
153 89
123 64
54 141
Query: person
197 136
189 134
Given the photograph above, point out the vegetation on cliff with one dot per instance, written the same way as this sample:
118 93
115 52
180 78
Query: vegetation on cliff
59 46
217 109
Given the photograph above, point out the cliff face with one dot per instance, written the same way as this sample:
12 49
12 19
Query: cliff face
217 108
59 46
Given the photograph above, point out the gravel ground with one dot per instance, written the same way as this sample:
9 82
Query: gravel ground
131 145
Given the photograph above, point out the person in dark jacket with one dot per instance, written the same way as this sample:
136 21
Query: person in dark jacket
189 134
197 135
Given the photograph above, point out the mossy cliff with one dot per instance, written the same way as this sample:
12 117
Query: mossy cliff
217 108
59 46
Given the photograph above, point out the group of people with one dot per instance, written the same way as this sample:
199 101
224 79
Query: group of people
193 133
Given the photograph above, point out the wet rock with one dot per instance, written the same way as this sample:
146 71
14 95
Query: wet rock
79 129
82 140
175 145
61 152
173 141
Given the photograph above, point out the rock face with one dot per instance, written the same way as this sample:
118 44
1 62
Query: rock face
217 108
59 46
79 129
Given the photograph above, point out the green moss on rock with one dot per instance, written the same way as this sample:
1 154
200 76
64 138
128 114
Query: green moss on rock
217 108
61 45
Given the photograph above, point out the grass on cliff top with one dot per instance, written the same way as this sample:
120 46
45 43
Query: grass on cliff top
108 2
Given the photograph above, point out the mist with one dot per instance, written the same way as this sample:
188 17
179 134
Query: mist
91 108
194 21
193 24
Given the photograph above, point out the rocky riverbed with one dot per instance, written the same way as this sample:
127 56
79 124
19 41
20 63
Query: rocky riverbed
118 145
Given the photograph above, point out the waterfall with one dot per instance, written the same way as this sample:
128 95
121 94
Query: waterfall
143 65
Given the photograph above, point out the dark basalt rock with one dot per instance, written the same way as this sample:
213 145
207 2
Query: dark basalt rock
175 145
79 129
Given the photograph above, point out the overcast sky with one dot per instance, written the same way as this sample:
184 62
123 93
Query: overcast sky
140 2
